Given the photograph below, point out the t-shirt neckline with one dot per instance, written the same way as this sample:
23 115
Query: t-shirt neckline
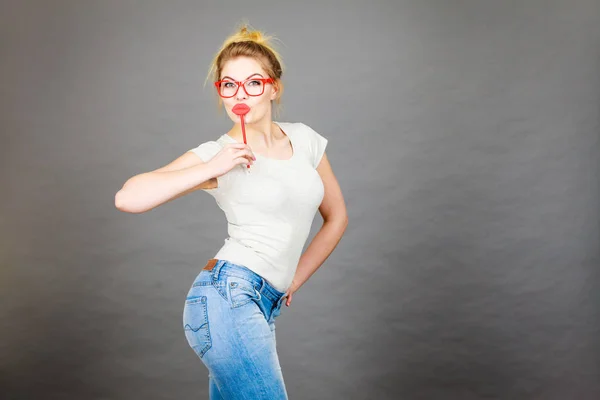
294 149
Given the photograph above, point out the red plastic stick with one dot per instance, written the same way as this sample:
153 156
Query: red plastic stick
241 110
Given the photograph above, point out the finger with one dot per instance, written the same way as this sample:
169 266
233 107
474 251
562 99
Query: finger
245 156
246 152
242 160
236 145
241 146
251 154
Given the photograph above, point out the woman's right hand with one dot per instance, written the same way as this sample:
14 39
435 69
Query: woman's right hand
231 154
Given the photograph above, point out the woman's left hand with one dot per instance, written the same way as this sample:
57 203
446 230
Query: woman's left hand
289 293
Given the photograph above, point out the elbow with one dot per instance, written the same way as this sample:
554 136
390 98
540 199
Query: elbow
122 203
345 221
339 220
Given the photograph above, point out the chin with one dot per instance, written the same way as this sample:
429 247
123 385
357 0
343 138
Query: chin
248 118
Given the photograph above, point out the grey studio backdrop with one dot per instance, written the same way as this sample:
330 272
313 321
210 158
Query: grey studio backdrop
464 135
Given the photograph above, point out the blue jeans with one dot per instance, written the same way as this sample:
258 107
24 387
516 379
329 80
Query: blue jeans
229 321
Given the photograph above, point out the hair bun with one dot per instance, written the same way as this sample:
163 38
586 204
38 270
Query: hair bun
253 35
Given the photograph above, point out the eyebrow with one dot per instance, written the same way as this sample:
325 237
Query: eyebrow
244 79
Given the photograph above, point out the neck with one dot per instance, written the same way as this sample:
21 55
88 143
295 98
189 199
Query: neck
263 133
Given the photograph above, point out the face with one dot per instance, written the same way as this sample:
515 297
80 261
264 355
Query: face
239 69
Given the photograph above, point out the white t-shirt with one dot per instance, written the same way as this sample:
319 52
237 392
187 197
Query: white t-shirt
270 207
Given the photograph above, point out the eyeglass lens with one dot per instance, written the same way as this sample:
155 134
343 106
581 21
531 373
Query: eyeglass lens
253 88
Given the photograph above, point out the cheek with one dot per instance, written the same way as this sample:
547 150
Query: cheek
260 109
265 101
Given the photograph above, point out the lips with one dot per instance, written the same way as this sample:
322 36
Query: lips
240 109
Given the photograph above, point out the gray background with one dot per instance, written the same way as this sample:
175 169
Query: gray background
464 134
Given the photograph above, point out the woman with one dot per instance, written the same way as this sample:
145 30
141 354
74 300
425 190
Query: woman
269 190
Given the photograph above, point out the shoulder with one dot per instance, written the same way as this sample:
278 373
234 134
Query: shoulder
311 141
208 149
301 132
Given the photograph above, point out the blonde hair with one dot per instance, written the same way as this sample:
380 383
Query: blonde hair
248 42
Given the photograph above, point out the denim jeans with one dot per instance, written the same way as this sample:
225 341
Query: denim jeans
229 321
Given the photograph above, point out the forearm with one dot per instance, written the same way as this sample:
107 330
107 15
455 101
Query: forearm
148 190
319 250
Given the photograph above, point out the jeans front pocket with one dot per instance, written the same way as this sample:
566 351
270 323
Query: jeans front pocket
241 291
195 324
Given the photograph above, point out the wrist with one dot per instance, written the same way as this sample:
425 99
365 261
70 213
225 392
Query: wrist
209 170
294 286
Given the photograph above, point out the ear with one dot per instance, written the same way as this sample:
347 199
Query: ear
274 92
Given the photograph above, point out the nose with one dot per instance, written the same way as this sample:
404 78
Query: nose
241 94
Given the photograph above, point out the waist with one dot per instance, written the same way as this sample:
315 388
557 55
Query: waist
225 267
275 267
240 254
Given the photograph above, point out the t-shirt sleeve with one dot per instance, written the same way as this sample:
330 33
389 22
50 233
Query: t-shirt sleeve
206 151
316 146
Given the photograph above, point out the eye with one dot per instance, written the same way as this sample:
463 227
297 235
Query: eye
228 84
254 83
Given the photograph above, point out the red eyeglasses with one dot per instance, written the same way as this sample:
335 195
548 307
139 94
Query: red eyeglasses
253 86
